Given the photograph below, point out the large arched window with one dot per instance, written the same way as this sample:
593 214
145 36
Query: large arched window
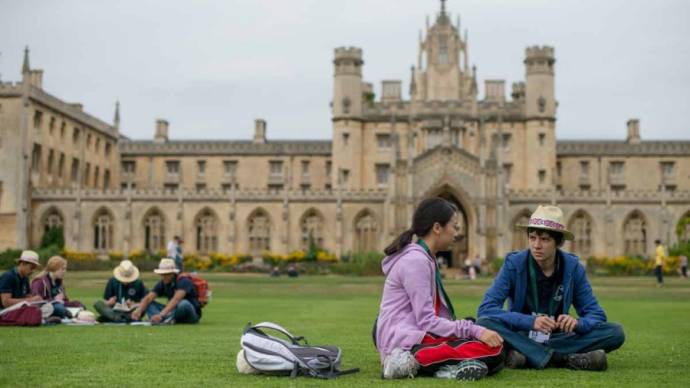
52 219
154 231
312 227
103 226
520 240
259 232
366 232
635 234
581 226
206 232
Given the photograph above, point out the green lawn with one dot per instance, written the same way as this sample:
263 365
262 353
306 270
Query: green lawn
327 310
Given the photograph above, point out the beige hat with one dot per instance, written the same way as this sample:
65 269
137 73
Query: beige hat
548 218
29 257
166 266
126 272
86 317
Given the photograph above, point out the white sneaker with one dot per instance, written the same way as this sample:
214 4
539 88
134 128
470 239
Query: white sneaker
467 370
400 364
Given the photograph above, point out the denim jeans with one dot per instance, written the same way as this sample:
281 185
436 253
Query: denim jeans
184 312
59 310
607 336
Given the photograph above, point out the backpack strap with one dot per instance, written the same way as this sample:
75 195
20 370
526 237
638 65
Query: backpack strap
270 325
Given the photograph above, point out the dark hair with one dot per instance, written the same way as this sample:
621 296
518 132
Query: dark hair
427 213
558 236
657 241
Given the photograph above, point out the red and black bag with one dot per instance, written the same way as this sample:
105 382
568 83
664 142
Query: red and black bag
200 285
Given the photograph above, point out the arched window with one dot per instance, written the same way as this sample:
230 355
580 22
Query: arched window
635 234
103 231
259 232
581 227
52 219
154 231
312 226
366 232
520 240
206 232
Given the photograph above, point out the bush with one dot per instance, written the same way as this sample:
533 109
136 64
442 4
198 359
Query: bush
54 236
8 258
360 264
495 265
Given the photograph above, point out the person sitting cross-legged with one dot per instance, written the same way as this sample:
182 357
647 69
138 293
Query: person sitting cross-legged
541 284
123 292
15 291
183 303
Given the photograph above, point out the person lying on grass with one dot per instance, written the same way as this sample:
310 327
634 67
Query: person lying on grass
416 331
541 283
122 294
183 304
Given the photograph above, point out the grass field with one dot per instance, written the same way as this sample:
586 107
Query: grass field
327 310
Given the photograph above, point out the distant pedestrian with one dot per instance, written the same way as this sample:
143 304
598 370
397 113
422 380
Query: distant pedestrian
659 263
684 266
175 252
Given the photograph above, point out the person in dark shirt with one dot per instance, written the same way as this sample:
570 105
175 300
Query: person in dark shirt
122 294
541 284
183 304
15 289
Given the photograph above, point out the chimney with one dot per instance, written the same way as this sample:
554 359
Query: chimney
494 91
390 91
36 78
161 131
633 131
259 131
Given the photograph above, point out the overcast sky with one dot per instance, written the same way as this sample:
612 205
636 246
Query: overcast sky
212 67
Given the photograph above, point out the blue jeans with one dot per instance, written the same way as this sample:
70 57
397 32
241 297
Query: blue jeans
184 312
606 336
59 310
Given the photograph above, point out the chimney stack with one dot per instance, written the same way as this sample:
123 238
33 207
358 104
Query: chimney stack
259 131
161 131
633 131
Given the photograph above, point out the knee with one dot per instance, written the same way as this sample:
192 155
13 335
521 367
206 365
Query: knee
184 304
617 335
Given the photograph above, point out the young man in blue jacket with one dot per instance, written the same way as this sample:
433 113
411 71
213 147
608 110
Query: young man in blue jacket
541 284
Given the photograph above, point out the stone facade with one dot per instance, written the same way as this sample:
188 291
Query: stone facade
496 158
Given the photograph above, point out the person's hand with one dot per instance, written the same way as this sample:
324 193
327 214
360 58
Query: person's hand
60 297
136 315
35 298
566 323
129 303
111 302
545 324
156 318
491 338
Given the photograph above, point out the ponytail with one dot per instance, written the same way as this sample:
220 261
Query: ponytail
399 243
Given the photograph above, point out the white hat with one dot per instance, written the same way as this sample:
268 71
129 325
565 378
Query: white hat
126 272
29 257
548 218
166 266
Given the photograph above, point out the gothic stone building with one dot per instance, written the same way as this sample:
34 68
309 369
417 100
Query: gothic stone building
496 158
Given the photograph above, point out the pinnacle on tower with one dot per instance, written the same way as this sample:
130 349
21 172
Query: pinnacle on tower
116 120
25 66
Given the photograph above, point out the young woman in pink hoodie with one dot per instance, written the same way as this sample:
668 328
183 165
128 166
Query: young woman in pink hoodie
416 330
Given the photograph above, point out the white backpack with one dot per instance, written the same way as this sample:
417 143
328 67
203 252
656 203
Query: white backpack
272 355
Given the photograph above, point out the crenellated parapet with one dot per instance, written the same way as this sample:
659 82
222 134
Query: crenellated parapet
225 147
621 148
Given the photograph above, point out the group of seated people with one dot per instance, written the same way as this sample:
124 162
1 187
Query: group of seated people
125 299
417 332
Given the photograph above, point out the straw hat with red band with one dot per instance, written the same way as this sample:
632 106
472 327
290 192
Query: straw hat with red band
548 218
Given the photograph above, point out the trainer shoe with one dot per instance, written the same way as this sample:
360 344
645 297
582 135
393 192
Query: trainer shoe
594 361
400 364
515 360
468 370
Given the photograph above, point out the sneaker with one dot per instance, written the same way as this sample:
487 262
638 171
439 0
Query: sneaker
468 370
400 364
594 361
515 360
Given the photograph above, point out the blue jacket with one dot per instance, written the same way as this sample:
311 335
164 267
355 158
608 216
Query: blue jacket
511 284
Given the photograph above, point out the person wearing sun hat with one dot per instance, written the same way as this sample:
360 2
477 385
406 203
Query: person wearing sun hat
541 283
15 289
183 303
123 293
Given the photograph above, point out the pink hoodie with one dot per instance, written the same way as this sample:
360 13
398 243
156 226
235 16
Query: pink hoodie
407 305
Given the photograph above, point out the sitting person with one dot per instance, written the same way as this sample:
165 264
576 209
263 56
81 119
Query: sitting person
416 331
541 283
48 284
15 289
123 293
183 304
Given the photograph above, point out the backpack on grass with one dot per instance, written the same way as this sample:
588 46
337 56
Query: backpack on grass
273 355
200 285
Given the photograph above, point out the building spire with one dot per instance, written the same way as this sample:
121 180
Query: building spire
116 120
443 7
25 66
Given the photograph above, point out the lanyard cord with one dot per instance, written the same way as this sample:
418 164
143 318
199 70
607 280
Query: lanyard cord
553 302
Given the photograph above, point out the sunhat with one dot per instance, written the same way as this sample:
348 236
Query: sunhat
29 257
126 272
166 266
548 217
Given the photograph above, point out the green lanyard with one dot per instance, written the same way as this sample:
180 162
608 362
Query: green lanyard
439 282
553 301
